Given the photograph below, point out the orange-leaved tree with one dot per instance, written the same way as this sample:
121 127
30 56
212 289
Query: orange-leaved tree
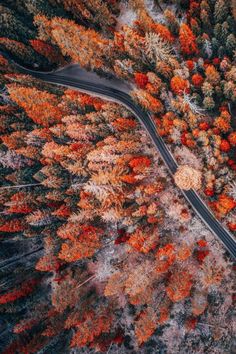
41 106
85 46
187 40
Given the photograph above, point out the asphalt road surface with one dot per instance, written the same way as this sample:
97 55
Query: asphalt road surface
93 85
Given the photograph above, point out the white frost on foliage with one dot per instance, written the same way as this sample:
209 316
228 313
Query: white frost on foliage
106 260
82 216
187 99
154 11
187 157
208 48
175 211
127 320
163 172
166 197
183 72
100 191
178 309
213 270
104 155
13 160
104 268
197 230
127 16
218 252
232 190
112 215
156 49
175 135
173 336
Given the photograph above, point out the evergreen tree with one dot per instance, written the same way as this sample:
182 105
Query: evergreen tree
221 10
231 44
12 27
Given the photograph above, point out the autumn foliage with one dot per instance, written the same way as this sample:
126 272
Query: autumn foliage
187 40
179 85
100 251
179 286
25 289
41 107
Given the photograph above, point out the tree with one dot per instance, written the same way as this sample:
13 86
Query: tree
139 279
211 273
148 101
84 46
212 75
48 51
123 124
222 123
179 85
25 289
19 203
115 284
145 325
15 140
179 285
199 303
92 326
183 253
24 325
5 66
43 25
232 138
141 80
133 42
101 12
12 27
13 225
173 23
39 218
41 106
77 8
187 178
90 10
156 49
187 40
221 10
83 242
144 240
41 7
165 257
224 205
48 263
197 80
163 32
18 49
224 145
65 292
205 19
140 163
231 43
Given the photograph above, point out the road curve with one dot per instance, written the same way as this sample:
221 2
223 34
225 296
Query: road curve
145 119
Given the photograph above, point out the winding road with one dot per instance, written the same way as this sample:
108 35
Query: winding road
98 87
